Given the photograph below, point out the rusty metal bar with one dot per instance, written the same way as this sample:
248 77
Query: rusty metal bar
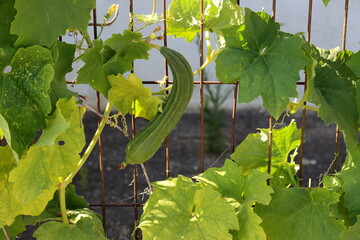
195 82
201 56
233 117
117 205
166 70
100 143
303 117
133 128
271 124
343 47
273 14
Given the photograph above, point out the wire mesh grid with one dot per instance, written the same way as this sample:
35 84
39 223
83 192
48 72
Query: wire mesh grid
104 205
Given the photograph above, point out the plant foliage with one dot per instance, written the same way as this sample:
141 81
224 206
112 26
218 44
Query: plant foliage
43 144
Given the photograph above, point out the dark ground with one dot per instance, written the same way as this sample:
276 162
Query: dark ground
185 154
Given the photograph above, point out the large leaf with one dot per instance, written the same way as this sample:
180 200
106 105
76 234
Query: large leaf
264 61
201 213
297 214
63 54
31 185
242 191
101 61
353 233
130 96
7 203
354 64
334 92
85 224
24 98
7 15
350 179
42 22
183 17
52 210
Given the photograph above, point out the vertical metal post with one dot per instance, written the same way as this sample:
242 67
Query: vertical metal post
303 117
100 143
202 142
166 70
343 47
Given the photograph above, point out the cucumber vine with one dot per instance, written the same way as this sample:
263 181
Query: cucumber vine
43 144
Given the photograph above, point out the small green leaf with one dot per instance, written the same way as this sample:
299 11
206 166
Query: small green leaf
45 21
130 96
326 2
242 191
201 213
130 45
85 224
252 153
298 214
183 17
24 97
17 227
265 62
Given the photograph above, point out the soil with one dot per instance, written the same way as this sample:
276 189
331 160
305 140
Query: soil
184 155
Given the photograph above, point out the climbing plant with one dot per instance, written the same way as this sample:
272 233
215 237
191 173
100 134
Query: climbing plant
43 143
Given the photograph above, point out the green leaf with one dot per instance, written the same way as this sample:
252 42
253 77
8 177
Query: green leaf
326 2
14 229
101 61
334 92
45 21
129 45
7 203
201 213
353 233
147 18
24 98
31 185
85 224
297 214
242 191
253 153
7 15
183 17
354 64
63 54
130 96
52 210
264 62
350 182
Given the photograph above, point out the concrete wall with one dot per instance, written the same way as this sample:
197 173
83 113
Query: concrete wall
326 33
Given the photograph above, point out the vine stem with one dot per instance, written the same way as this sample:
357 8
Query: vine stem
209 60
5 233
68 179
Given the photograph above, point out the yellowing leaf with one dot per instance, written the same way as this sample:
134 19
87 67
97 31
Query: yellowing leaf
179 209
130 96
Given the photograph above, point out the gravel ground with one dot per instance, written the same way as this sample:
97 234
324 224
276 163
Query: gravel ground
185 153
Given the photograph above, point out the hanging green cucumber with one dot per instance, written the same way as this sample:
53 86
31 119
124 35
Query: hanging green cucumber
148 141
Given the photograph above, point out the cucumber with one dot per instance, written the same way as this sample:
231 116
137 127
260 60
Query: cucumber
147 142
